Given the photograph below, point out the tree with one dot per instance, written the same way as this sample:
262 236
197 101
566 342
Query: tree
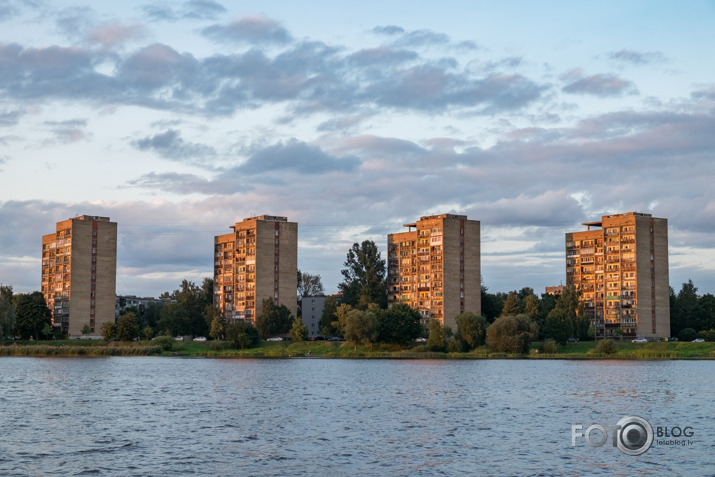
189 315
399 324
298 332
309 285
364 277
218 327
361 327
472 329
242 335
435 340
705 312
341 317
109 330
128 326
511 334
684 314
274 319
32 314
511 305
328 316
559 326
7 317
531 306
86 329
492 304
148 332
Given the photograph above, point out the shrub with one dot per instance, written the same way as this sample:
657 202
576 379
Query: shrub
687 334
219 345
606 347
550 347
242 335
166 343
457 346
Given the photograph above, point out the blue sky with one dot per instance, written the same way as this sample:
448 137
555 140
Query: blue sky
177 119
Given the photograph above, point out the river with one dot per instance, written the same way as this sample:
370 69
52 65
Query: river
205 417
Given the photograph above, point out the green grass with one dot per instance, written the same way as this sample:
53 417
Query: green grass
329 349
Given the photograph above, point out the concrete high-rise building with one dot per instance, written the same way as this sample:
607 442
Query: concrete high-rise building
620 265
79 273
435 267
258 260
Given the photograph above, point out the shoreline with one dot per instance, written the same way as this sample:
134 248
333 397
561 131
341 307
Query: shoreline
625 351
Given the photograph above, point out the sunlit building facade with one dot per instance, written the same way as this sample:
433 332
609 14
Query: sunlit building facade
435 267
258 260
620 266
79 273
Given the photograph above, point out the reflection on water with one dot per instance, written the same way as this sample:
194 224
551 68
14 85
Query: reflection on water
160 416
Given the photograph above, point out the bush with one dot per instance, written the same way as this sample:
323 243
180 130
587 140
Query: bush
219 345
511 334
687 334
550 347
606 347
166 343
457 346
242 335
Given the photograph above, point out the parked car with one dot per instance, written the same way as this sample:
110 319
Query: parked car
573 340
200 338
179 338
336 338
420 340
275 338
639 340
698 340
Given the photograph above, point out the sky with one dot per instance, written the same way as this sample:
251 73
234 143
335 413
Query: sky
178 119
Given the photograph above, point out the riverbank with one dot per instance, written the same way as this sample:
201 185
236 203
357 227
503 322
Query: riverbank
326 349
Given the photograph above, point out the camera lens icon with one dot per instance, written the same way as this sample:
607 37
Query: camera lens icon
634 435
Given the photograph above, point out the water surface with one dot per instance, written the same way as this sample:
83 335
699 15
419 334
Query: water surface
166 417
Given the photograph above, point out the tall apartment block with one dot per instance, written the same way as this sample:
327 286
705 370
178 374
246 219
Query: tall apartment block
258 260
620 265
79 273
435 267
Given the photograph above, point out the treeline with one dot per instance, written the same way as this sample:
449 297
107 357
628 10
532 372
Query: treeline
692 316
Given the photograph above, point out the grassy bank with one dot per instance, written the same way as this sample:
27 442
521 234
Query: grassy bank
327 349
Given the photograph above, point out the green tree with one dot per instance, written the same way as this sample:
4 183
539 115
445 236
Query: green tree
364 277
273 320
472 329
109 330
32 314
531 306
7 317
148 332
152 313
684 314
218 327
512 334
559 326
511 305
328 316
399 324
242 335
492 304
298 332
128 326
435 340
341 316
361 327
705 312
86 329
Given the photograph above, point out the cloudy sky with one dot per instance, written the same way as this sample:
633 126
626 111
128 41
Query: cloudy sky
177 119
